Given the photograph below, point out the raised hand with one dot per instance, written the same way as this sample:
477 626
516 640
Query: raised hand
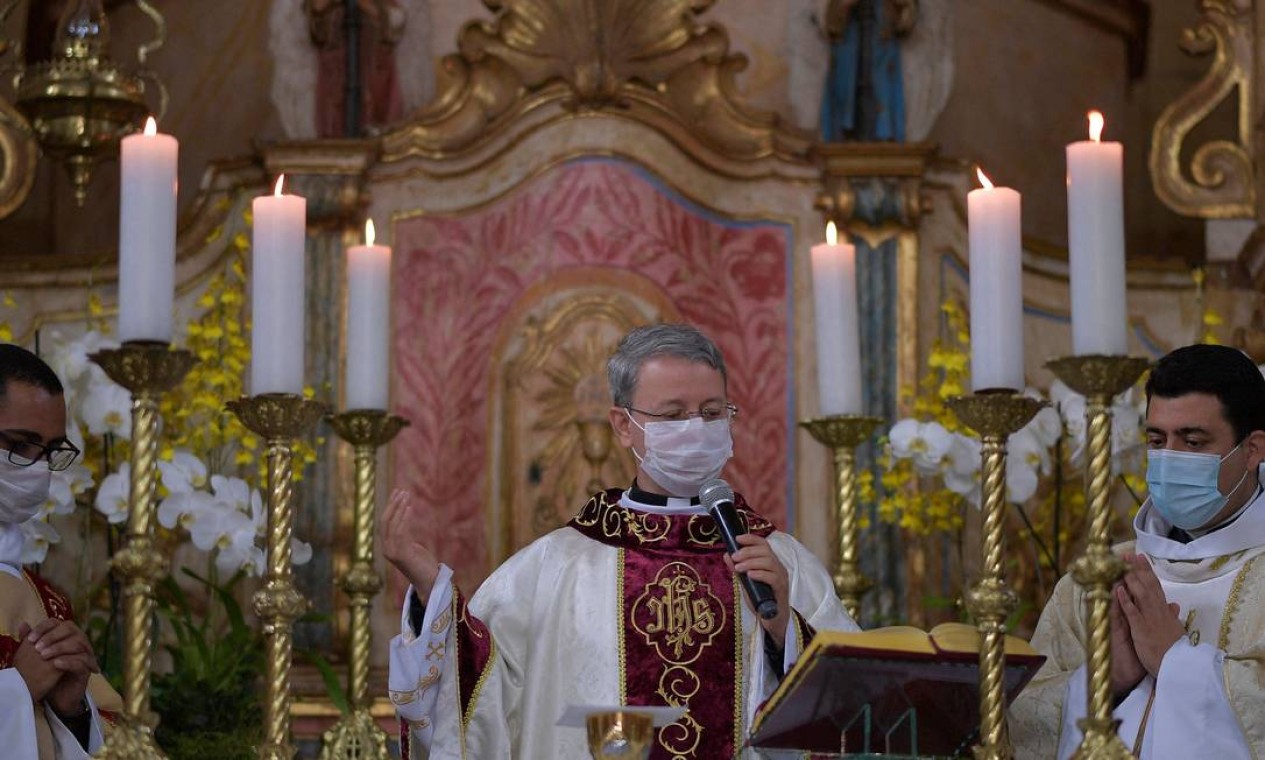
1153 623
403 546
757 560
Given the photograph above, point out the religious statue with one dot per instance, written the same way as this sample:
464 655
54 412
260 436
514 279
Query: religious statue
381 24
864 98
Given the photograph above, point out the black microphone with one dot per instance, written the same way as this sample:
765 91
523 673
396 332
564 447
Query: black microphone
718 498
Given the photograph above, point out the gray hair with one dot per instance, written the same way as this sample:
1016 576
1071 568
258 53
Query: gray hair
645 343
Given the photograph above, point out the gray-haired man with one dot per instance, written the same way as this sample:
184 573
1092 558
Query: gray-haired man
634 602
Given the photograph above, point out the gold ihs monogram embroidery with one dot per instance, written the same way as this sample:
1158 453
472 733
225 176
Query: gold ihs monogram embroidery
677 614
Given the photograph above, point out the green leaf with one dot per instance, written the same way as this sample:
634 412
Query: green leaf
332 683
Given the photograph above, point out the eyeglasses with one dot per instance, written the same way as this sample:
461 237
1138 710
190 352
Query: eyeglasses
709 413
26 453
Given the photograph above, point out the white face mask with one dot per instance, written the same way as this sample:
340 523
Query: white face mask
22 490
682 455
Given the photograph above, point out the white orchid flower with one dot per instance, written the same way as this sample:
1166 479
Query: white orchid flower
69 357
217 527
37 536
924 442
243 498
240 553
300 552
107 408
961 466
184 473
1047 425
61 499
1026 458
185 508
112 496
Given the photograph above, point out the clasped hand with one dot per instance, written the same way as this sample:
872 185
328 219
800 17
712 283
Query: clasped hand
55 659
1144 626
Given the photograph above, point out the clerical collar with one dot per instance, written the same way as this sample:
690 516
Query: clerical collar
643 501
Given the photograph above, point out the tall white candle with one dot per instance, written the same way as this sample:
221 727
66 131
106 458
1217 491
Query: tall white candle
147 234
1095 234
996 287
278 290
368 323
838 331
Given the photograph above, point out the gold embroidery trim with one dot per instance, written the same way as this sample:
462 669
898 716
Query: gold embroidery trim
1146 716
1232 605
619 627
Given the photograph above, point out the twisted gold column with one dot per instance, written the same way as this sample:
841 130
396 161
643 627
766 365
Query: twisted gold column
357 736
995 415
147 369
842 434
1099 379
279 418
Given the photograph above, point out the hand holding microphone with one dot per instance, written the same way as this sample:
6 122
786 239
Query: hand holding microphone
718 499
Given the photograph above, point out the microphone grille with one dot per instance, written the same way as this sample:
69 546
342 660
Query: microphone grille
713 492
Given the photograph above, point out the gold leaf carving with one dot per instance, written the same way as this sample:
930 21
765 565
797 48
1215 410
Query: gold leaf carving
1221 181
646 59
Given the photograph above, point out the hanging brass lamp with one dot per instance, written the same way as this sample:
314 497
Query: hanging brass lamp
80 104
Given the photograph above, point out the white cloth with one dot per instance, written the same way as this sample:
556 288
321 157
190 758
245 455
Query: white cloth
555 615
1210 682
18 732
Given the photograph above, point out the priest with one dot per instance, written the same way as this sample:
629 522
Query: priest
634 602
50 686
1188 620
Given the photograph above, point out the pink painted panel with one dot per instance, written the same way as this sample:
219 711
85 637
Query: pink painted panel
457 277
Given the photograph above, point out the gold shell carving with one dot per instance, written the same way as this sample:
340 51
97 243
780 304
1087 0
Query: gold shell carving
647 59
1221 181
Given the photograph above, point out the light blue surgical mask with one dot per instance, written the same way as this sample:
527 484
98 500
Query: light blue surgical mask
1183 486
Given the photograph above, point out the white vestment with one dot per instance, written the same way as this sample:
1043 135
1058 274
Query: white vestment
30 731
1209 698
555 615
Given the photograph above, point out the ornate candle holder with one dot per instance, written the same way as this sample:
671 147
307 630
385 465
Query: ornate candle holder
620 735
147 369
1099 379
842 434
279 418
357 736
995 415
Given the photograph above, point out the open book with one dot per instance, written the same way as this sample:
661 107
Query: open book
898 690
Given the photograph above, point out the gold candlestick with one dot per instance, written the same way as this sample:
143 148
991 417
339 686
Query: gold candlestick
356 736
279 418
995 415
147 369
1099 379
620 735
843 434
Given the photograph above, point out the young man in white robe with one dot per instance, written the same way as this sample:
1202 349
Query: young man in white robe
1188 620
634 602
46 662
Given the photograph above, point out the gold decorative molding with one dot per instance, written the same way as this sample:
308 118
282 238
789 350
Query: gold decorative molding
650 60
1221 182
19 150
873 183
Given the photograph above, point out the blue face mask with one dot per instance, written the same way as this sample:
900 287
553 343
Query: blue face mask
1183 486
